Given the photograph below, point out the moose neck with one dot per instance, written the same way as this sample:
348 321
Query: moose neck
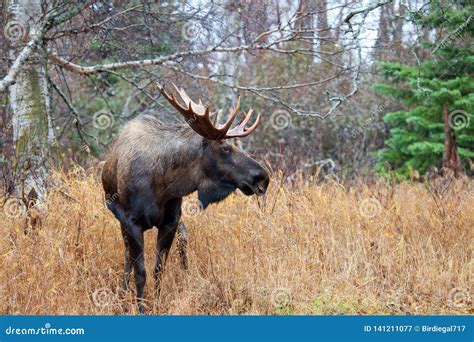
183 172
212 192
180 166
192 160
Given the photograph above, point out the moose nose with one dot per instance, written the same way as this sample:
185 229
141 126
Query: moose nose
260 179
259 175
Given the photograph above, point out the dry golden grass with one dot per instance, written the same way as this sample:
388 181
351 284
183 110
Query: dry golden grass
303 249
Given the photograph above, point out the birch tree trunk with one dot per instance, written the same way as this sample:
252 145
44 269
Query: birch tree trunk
29 103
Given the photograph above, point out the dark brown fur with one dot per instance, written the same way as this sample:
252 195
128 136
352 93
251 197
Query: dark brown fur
151 167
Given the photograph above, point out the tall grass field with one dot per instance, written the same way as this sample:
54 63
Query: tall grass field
304 248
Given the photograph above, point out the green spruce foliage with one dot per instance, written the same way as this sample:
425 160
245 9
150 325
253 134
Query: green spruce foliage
443 77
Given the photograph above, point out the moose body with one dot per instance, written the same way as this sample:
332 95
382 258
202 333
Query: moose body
150 168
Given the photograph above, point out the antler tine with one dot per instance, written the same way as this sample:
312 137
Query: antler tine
233 114
240 131
194 119
198 117
199 108
171 99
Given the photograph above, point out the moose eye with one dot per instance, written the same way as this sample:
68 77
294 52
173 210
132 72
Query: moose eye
226 148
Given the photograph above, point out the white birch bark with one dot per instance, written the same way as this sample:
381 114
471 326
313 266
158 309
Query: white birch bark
29 101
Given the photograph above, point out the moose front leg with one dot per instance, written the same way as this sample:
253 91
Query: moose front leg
134 238
163 245
166 233
127 268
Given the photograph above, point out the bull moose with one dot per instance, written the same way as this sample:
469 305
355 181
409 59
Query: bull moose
152 166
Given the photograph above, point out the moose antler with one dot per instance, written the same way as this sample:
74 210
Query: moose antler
198 117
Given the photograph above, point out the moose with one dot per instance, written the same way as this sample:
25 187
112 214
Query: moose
151 167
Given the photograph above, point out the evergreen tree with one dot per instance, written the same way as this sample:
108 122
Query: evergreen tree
441 82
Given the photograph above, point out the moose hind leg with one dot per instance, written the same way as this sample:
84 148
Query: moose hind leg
127 269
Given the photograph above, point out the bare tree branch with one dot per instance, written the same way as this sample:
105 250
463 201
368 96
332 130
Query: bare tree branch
25 53
365 10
